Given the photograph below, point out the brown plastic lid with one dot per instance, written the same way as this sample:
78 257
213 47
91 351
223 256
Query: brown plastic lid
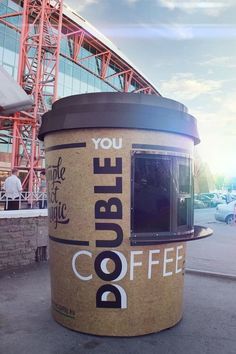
119 110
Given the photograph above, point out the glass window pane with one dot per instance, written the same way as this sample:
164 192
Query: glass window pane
151 195
182 212
184 178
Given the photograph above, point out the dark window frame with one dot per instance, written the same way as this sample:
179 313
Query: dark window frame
175 233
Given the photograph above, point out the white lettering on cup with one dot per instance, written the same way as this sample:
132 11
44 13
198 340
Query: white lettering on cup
178 258
107 143
151 262
117 143
167 261
122 294
133 263
76 255
96 142
124 266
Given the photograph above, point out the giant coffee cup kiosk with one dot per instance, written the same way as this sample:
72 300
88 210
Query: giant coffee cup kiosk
120 204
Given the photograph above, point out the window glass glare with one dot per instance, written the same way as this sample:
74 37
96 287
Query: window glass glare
184 178
151 194
161 197
77 80
1 52
9 69
2 9
182 211
14 5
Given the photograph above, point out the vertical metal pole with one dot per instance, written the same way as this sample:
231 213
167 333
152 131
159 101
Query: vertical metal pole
32 161
57 58
24 31
35 72
14 144
16 123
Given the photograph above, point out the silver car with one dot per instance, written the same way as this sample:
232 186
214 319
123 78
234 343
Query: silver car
226 212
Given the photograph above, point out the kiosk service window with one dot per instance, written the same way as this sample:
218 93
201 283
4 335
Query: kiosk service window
161 198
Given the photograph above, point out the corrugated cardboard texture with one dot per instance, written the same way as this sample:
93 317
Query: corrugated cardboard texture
153 291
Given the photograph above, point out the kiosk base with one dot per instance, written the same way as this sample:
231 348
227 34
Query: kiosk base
149 299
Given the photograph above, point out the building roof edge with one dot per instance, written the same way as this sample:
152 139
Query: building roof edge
73 15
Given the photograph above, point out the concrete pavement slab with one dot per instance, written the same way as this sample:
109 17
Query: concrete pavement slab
26 325
216 253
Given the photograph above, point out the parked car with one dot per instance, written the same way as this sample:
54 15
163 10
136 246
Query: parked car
215 198
205 199
233 196
226 212
198 204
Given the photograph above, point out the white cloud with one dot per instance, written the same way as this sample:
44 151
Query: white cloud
181 32
222 119
184 86
210 7
228 105
80 5
131 2
217 130
224 61
203 116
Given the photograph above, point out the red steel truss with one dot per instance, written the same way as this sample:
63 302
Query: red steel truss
37 74
79 37
43 27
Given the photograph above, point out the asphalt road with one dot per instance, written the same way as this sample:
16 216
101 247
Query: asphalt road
216 253
26 325
208 325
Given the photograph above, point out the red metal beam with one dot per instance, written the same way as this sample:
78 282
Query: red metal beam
119 73
35 74
105 64
90 71
13 14
147 88
78 41
10 25
127 80
73 32
20 120
40 72
93 56
71 26
80 36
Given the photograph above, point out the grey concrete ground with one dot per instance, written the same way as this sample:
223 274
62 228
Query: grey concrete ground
216 253
208 326
26 327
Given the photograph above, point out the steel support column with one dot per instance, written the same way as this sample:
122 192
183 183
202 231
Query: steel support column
37 74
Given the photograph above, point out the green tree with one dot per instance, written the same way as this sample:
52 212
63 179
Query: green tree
220 182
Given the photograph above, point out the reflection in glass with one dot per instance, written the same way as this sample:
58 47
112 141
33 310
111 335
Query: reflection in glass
151 194
184 178
182 211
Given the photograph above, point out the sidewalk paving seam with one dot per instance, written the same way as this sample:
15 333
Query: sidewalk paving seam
206 273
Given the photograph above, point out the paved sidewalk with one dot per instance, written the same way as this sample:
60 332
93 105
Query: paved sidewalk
26 326
216 253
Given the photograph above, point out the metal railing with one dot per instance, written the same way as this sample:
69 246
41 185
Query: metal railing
27 199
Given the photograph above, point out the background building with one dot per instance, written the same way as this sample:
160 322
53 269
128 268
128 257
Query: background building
56 53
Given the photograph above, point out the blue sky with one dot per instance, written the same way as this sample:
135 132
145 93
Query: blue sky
188 50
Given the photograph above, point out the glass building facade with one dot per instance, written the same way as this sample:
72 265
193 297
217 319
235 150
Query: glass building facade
73 78
10 38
